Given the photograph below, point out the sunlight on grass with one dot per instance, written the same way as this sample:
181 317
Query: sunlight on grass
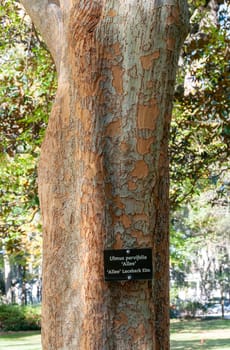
20 341
185 335
200 335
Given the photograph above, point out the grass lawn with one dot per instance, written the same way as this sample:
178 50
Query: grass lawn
20 341
200 335
185 335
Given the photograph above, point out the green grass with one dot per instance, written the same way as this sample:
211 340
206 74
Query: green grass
20 341
200 335
185 335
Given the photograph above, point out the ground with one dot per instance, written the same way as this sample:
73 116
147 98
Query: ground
200 334
185 335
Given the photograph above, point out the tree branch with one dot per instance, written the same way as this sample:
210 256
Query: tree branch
47 17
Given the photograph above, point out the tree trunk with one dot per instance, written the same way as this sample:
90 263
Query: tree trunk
7 276
103 172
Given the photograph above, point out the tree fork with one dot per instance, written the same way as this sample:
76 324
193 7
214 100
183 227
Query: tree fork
103 171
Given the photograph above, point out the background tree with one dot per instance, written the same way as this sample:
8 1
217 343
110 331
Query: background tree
199 145
27 88
203 231
200 126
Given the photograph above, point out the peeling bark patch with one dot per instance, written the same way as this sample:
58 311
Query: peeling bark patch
132 185
125 219
75 285
124 147
137 333
142 239
149 84
112 13
108 190
113 129
171 43
174 17
116 49
118 202
93 167
140 170
143 145
110 52
85 117
147 61
119 242
147 115
117 79
140 217
121 319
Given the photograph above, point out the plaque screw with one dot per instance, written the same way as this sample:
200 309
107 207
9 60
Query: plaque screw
127 251
129 277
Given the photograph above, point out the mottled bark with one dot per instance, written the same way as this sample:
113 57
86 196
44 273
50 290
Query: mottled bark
103 172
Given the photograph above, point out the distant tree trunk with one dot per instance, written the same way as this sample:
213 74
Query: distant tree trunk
7 276
103 172
222 304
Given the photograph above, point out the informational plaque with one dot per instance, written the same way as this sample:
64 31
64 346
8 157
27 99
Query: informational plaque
128 264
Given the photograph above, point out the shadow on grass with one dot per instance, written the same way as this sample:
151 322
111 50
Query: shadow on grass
195 326
200 335
213 344
12 335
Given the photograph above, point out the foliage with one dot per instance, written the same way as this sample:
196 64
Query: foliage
27 82
18 202
201 126
28 85
191 307
199 150
19 318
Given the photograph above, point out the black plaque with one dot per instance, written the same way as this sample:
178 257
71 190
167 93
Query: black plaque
128 264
